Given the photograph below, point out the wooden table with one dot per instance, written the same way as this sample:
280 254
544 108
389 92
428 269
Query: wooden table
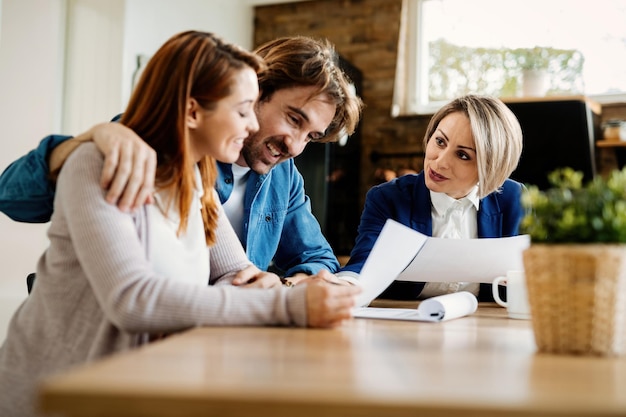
481 365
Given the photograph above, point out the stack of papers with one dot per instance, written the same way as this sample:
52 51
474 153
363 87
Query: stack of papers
401 253
440 308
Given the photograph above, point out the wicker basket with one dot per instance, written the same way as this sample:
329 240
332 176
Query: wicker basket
577 297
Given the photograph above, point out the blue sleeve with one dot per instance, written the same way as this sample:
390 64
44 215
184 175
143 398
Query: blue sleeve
399 200
26 193
512 208
376 211
303 247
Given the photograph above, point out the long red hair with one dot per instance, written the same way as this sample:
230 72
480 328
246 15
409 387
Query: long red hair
196 65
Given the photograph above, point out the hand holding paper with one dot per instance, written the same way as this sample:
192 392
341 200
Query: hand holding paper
404 254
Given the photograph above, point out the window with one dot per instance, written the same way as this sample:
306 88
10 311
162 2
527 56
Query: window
453 47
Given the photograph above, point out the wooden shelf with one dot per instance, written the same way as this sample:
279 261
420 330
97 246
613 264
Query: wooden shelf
610 144
593 105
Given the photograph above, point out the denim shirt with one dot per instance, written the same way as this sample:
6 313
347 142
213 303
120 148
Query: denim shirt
26 195
278 224
279 229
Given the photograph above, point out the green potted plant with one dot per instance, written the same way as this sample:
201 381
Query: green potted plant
537 58
576 264
534 63
539 65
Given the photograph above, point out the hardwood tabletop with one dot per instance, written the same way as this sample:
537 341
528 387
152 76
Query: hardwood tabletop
481 365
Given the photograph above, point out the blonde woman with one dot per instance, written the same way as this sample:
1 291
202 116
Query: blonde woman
472 145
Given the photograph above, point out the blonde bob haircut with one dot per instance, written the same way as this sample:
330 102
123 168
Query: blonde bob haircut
497 136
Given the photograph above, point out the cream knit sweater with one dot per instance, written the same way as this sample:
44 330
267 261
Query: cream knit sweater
97 294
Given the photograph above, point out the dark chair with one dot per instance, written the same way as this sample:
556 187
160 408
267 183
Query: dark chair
30 280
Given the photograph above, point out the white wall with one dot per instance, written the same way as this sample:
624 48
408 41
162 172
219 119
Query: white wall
31 44
48 88
104 38
149 23
93 63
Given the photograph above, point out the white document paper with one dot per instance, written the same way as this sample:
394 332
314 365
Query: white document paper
440 308
394 249
403 254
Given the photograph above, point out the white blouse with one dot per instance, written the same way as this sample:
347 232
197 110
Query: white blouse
184 257
453 219
235 203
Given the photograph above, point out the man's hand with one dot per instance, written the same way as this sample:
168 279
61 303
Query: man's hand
329 305
322 275
253 277
129 165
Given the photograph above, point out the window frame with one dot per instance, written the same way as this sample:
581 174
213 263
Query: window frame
412 69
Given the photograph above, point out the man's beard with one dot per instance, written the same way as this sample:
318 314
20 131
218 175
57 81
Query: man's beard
254 161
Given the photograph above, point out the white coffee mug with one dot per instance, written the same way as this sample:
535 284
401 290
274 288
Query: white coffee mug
516 294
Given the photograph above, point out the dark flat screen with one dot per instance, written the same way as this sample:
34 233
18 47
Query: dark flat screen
556 134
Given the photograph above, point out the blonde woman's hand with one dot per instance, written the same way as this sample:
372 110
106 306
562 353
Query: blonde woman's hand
253 277
328 305
129 165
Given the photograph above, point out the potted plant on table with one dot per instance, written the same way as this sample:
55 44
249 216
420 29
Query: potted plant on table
576 264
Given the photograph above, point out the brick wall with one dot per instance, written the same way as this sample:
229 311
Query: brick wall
365 32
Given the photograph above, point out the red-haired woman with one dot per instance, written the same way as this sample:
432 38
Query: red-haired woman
111 280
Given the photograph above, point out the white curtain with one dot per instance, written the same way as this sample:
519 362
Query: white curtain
405 85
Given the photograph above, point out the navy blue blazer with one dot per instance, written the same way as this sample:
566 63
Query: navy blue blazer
407 201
